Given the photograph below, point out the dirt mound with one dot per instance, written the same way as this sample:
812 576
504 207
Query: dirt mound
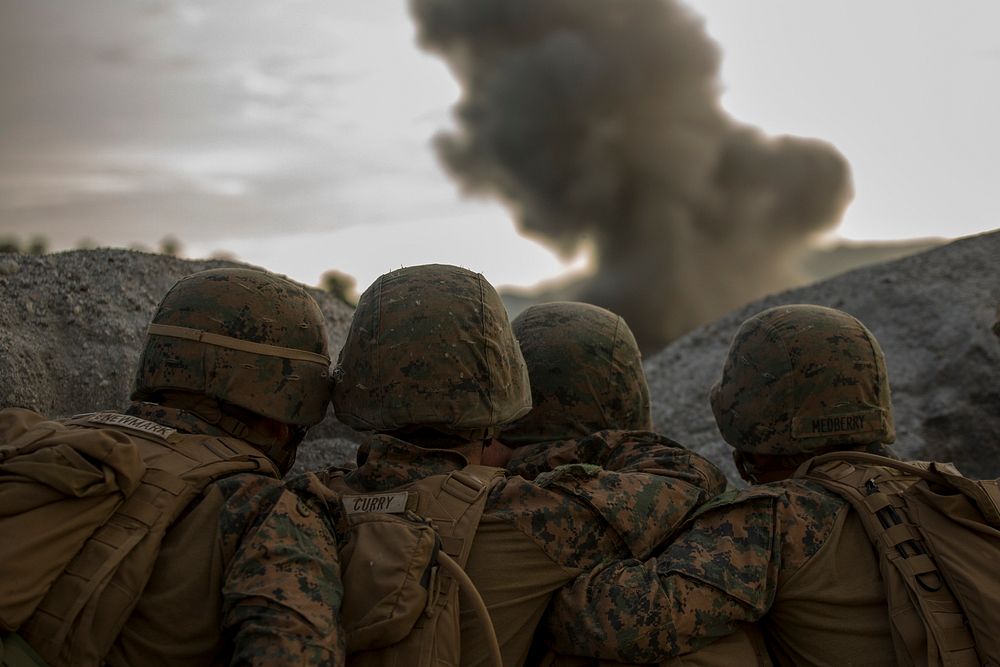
72 325
932 314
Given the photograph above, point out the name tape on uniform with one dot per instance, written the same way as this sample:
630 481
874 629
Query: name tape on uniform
388 503
855 422
133 423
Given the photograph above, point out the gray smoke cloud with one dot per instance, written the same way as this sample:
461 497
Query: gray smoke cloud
599 121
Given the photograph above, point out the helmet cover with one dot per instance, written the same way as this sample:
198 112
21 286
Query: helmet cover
430 346
803 378
242 336
585 370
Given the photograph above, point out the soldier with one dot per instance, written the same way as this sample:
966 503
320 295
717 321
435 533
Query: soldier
586 374
235 369
431 366
590 399
798 381
590 402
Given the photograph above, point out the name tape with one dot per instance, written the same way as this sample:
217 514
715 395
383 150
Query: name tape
857 422
133 423
387 503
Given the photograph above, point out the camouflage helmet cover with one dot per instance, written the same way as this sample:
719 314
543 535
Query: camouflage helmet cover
243 336
431 346
585 370
803 378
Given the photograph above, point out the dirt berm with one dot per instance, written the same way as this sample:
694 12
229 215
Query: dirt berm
71 326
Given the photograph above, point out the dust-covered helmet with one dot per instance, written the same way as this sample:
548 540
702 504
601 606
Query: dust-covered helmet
431 346
242 336
801 379
585 370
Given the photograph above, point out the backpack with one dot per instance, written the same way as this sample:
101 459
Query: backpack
402 564
937 536
87 502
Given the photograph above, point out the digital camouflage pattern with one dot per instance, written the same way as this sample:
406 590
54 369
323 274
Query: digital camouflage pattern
431 346
803 378
728 566
789 555
282 592
622 451
283 375
642 497
578 517
586 374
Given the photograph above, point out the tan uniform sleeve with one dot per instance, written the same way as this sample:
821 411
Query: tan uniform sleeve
283 590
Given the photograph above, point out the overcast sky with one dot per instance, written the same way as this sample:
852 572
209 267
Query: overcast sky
295 133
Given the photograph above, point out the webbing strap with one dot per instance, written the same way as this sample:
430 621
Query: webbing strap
901 533
183 469
455 508
230 343
101 555
876 502
934 609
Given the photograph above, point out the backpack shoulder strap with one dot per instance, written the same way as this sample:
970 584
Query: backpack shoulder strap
88 604
449 508
454 505
923 610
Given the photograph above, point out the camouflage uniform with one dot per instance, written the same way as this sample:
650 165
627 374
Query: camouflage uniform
547 532
586 376
799 380
233 356
430 358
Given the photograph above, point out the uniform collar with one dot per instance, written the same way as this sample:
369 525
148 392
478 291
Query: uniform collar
385 462
182 420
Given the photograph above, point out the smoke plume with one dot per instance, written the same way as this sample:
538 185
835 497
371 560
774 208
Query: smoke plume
599 121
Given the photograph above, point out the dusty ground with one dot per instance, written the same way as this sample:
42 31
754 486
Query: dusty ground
71 326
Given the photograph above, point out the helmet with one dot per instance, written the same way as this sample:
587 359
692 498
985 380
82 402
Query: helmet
802 379
242 336
585 370
430 346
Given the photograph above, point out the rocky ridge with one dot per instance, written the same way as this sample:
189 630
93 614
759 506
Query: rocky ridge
72 323
931 313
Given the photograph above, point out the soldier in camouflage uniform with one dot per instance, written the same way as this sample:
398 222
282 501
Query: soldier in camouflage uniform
431 367
589 396
235 369
586 374
798 381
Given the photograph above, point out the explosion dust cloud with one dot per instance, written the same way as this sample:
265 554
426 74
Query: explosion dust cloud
599 121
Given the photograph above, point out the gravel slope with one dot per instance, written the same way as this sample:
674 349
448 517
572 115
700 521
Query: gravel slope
71 326
931 313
